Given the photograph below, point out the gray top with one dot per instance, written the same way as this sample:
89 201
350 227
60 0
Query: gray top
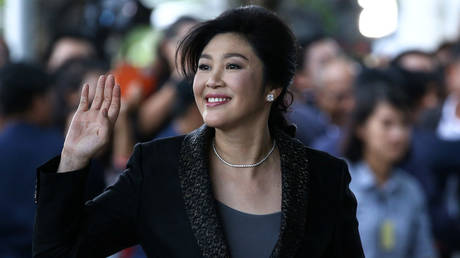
249 235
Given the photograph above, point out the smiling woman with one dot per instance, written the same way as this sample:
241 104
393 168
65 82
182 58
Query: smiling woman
239 186
228 84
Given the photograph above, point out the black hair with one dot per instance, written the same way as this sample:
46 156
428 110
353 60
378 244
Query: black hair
70 74
448 45
20 84
272 41
184 98
78 35
4 52
172 30
373 86
416 84
161 65
454 54
306 42
68 78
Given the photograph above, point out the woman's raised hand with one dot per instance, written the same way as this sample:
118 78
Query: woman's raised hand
91 125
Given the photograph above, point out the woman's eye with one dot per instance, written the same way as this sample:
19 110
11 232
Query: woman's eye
203 67
233 66
387 123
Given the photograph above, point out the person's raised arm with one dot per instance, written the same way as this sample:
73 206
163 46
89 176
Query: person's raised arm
91 125
65 224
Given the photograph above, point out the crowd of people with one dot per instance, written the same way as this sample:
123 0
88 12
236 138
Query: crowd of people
396 124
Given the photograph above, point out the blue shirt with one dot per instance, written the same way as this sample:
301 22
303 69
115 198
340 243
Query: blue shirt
393 218
23 147
168 131
330 141
311 123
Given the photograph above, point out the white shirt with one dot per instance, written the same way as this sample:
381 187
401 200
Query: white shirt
449 125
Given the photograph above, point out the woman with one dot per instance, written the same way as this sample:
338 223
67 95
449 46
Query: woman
392 216
197 195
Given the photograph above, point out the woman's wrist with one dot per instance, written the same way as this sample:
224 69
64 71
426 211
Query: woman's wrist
70 162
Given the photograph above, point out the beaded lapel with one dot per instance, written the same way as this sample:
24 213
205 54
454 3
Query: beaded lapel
201 208
295 186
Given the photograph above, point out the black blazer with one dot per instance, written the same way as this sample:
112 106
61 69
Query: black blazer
164 201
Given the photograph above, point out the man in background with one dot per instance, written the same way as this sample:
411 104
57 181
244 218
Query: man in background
314 53
26 142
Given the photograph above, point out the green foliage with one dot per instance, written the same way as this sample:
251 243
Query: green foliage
325 11
138 47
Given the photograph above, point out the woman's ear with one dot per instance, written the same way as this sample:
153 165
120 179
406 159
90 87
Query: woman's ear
277 92
273 94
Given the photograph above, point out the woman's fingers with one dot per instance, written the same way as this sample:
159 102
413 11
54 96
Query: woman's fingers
83 105
114 107
106 125
106 100
99 95
109 83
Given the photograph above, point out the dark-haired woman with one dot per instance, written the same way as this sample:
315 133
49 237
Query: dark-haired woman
393 220
239 186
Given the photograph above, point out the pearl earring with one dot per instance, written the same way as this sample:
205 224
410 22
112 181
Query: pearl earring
270 97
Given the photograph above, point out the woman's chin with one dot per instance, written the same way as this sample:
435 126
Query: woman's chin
214 123
217 122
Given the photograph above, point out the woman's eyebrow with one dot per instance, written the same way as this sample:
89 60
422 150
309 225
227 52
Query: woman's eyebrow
205 56
228 55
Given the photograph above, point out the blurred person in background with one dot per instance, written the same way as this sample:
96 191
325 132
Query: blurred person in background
421 80
436 147
334 98
313 53
155 112
25 142
4 59
70 44
392 214
186 116
443 53
4 53
68 80
416 60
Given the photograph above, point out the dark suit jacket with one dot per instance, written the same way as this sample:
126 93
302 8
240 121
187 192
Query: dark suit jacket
164 201
435 163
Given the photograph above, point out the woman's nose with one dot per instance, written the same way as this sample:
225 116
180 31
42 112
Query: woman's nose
400 133
214 80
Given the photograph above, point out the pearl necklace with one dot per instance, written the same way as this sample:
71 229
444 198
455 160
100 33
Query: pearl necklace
243 165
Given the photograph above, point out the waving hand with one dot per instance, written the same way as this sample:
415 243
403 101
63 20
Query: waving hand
91 125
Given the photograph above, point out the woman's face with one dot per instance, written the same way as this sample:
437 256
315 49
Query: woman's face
386 133
228 84
453 79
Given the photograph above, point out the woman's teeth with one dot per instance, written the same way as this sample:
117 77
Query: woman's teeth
214 100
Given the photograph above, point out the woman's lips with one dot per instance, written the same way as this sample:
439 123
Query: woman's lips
216 100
